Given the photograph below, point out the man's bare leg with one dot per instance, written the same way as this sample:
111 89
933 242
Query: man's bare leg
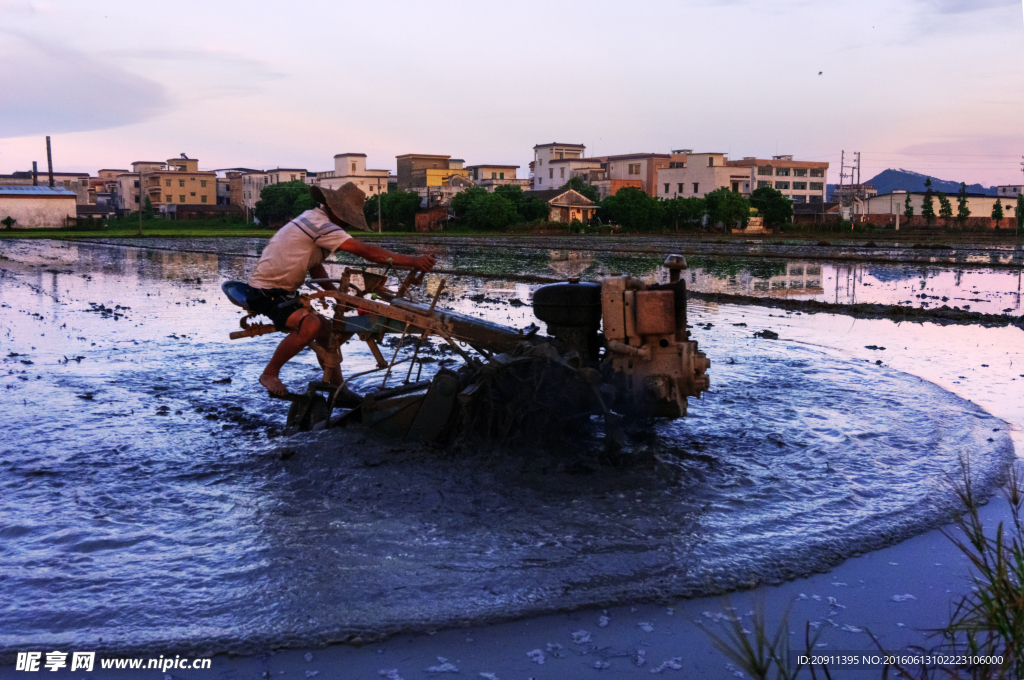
323 338
305 327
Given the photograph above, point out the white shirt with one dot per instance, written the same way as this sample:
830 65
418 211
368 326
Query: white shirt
297 247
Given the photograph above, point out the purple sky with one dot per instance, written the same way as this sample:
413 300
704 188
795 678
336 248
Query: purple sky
935 86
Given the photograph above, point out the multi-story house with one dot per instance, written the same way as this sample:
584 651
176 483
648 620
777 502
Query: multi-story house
419 171
179 181
695 175
543 154
351 167
492 176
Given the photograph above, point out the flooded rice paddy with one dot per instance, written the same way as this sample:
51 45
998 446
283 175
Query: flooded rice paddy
148 496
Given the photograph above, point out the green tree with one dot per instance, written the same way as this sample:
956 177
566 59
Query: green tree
962 211
530 208
280 203
997 212
928 204
684 212
579 186
727 207
908 209
945 208
462 201
491 212
398 210
772 205
148 208
634 210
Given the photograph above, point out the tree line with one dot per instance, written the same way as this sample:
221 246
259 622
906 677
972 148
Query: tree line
630 208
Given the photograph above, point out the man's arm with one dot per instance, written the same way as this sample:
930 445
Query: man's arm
379 255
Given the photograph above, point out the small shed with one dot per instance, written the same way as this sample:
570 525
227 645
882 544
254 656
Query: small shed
37 207
565 205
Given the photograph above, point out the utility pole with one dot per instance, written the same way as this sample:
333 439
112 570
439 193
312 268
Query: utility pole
49 160
35 174
379 231
858 168
141 175
842 166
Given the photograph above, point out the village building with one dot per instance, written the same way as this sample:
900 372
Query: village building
692 175
492 176
887 206
1009 191
565 206
799 181
418 171
543 155
37 207
178 181
351 167
644 167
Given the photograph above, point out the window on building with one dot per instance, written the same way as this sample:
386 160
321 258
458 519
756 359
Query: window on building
182 197
502 175
181 182
799 172
192 194
540 180
680 188
561 173
136 184
551 173
168 198
799 186
782 172
168 182
634 168
798 199
817 186
293 178
711 161
666 187
202 183
192 179
817 172
494 175
762 184
696 187
202 198
815 198
782 185
764 170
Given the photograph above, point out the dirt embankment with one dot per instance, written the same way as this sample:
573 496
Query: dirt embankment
941 315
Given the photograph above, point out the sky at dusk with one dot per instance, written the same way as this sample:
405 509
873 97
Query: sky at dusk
935 86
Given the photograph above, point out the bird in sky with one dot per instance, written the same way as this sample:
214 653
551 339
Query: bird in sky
820 72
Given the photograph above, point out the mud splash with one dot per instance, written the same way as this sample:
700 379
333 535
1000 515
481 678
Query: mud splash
145 506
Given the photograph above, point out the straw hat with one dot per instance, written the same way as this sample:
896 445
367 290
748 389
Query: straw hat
343 205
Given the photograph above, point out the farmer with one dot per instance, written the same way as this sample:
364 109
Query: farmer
299 247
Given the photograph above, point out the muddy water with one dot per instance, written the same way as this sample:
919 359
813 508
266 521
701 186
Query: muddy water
145 499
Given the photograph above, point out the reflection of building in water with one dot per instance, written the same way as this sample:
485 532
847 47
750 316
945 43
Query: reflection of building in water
569 263
796 278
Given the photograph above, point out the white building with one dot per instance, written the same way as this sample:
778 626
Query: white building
543 154
253 182
37 207
1009 191
351 167
697 174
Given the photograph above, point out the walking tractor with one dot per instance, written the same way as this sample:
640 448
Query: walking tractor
616 349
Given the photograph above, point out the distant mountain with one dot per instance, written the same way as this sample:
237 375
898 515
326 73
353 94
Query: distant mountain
891 180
